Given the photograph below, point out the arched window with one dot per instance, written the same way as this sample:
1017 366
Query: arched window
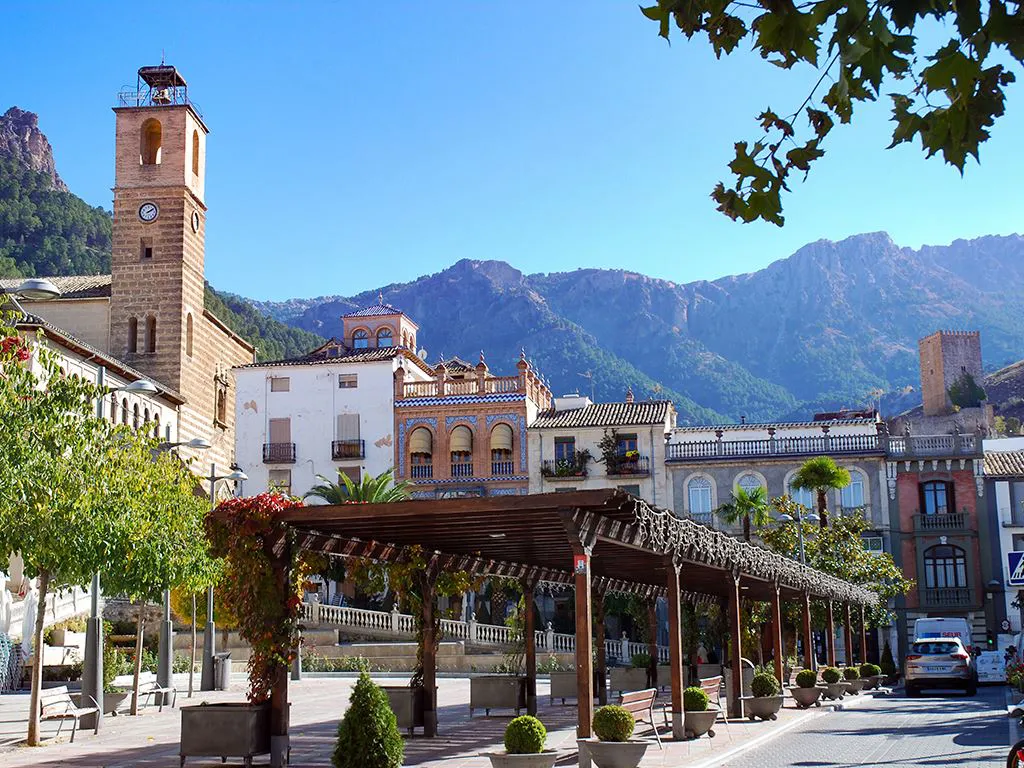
698 498
852 496
195 152
113 409
501 450
124 411
150 142
145 416
749 482
421 450
133 334
385 338
188 335
460 443
151 334
360 340
945 566
156 425
805 497
936 497
135 416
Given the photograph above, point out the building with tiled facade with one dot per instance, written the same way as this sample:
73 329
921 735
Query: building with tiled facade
1001 534
463 432
565 446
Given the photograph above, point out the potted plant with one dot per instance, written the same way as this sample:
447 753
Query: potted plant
806 691
767 698
834 689
852 678
872 676
697 718
368 734
613 748
524 746
563 679
888 665
633 677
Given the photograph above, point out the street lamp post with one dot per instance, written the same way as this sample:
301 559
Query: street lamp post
801 515
209 635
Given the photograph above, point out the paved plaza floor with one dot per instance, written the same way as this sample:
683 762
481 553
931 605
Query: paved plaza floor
151 739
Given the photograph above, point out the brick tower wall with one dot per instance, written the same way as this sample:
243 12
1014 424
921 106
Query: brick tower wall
945 356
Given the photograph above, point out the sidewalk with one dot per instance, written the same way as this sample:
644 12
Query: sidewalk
151 739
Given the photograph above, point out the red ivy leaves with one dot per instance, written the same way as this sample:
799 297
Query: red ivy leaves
15 347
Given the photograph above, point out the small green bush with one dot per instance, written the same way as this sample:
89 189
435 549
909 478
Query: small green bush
870 670
886 663
525 735
613 723
695 700
368 734
641 660
806 678
851 673
764 684
831 675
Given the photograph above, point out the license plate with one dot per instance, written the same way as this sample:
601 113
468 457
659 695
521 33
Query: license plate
935 667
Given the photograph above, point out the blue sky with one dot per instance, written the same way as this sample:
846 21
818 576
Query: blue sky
357 144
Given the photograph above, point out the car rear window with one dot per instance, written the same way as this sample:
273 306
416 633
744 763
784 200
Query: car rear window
935 649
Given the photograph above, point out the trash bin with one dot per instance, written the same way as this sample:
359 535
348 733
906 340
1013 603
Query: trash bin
221 671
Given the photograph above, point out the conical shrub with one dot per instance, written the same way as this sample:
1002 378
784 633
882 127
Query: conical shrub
368 734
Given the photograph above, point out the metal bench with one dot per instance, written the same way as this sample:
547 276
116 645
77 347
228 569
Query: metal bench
57 704
640 704
148 688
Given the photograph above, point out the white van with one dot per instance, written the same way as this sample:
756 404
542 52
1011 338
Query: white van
943 627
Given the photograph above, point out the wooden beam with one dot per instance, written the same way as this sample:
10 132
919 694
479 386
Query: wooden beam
601 652
428 594
830 629
863 637
736 655
529 630
810 661
279 737
584 674
675 648
848 637
776 624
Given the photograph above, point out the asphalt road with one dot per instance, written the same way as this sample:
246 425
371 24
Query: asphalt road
939 729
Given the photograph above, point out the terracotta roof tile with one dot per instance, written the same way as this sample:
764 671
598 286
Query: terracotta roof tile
1004 463
605 415
374 310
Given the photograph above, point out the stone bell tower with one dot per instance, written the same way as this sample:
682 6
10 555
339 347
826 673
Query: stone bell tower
159 222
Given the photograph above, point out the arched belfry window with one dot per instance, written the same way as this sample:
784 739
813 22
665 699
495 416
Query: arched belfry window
385 338
195 152
151 334
133 334
360 340
151 141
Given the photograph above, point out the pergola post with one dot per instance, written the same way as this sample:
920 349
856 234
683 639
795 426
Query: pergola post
279 690
675 648
863 636
428 607
530 641
810 661
848 637
601 652
584 647
735 635
652 642
777 634
830 629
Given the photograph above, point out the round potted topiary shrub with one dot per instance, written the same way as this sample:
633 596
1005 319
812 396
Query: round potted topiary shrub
697 718
524 746
834 688
613 748
852 677
872 676
806 691
767 699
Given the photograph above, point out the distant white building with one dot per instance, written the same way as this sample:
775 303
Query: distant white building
565 450
326 412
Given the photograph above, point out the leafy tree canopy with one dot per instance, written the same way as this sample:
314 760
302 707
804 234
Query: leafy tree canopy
948 96
965 392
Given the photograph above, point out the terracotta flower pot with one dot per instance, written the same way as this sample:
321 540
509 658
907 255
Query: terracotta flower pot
615 754
805 697
763 707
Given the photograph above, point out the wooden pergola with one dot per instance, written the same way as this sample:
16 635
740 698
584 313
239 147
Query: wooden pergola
598 541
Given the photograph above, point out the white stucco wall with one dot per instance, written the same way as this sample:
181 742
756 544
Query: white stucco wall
313 402
650 443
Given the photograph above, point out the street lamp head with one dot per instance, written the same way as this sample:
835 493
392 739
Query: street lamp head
237 475
37 289
198 444
812 517
784 518
140 387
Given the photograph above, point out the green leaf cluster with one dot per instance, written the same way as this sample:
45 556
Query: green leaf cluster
764 684
613 723
965 392
525 735
694 699
368 734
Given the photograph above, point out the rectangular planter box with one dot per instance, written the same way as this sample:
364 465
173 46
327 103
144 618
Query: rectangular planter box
489 692
628 679
407 704
563 686
225 730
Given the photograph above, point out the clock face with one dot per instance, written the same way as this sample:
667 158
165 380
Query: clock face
195 221
148 212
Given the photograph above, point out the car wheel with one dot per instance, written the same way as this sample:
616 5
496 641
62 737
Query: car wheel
912 692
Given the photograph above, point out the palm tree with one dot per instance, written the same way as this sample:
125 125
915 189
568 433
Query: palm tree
747 506
821 475
370 490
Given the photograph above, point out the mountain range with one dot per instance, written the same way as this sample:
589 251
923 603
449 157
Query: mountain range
834 325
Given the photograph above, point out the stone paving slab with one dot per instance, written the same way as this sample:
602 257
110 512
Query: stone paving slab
150 740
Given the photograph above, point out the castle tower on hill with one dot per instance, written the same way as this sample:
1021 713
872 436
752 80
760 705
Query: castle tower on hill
945 357
158 321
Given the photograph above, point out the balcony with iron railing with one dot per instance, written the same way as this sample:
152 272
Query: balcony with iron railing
706 518
946 597
502 468
348 449
1011 517
628 465
816 445
424 471
279 453
462 469
563 469
944 522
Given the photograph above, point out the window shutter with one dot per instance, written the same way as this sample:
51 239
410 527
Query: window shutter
348 426
501 438
461 440
420 441
280 430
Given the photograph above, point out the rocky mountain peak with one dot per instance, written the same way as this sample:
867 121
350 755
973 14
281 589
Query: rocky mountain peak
22 140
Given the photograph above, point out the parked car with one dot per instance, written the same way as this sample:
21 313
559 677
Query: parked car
940 663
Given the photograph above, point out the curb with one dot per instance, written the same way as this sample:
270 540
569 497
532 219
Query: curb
723 757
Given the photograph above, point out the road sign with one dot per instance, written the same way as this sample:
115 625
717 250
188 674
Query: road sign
1015 561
